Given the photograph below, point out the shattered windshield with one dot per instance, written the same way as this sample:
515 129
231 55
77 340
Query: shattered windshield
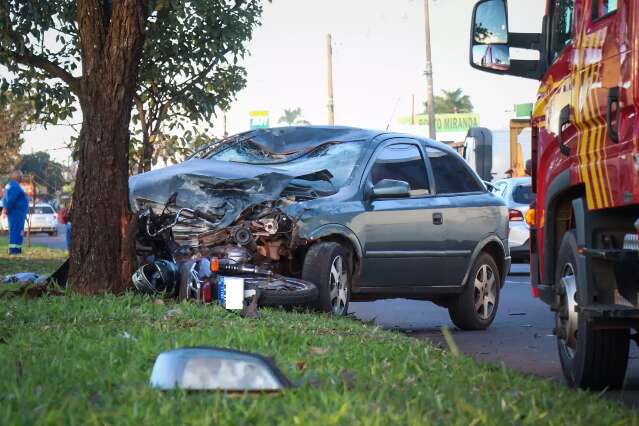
338 158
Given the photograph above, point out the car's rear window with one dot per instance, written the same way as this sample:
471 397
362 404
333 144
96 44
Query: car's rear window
522 194
41 210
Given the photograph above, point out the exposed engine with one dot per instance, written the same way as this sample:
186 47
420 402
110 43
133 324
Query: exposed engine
262 238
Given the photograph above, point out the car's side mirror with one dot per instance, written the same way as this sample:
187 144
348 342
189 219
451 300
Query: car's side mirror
491 41
390 188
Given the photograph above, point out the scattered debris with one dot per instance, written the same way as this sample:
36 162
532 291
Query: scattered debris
126 335
513 314
158 302
216 369
318 351
250 308
172 313
31 291
410 380
526 325
24 277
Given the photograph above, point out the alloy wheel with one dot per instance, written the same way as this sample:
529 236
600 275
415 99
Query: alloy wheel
485 292
566 316
338 285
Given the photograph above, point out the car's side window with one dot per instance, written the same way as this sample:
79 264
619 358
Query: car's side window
403 162
451 174
563 13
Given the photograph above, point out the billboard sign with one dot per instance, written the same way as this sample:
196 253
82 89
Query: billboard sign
446 123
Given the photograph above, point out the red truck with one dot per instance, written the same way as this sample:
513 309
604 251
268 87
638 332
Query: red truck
585 155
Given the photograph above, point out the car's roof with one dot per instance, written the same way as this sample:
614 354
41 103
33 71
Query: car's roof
516 181
296 138
43 205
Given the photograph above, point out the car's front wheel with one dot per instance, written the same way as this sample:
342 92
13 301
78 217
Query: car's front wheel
476 307
327 265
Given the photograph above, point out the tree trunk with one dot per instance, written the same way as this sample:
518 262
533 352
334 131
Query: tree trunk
102 247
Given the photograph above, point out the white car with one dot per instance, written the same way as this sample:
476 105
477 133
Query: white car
42 218
517 192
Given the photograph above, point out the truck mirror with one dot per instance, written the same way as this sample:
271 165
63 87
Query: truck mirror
490 43
490 23
494 57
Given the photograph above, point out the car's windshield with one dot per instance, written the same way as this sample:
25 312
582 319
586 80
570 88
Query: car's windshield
522 194
41 210
338 158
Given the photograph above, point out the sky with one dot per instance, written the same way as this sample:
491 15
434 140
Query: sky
378 65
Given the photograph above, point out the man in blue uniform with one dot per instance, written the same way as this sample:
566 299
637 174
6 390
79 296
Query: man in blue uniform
16 203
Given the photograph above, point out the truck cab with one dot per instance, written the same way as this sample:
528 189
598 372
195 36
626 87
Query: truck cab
585 164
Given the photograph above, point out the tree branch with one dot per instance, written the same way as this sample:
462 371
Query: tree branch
51 68
26 57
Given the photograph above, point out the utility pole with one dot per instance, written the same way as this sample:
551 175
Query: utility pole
331 102
412 111
226 133
429 76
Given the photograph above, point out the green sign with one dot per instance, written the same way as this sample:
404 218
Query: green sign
524 110
446 122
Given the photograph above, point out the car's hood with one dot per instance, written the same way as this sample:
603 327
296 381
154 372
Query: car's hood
220 188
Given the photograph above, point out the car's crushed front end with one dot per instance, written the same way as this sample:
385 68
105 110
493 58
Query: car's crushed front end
247 216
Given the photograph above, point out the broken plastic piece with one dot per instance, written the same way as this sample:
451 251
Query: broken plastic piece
216 369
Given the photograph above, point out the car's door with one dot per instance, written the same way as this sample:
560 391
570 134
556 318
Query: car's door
463 202
402 238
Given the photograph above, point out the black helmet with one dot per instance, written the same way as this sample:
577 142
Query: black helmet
157 277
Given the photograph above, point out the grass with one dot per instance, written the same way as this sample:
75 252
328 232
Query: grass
87 360
38 259
79 360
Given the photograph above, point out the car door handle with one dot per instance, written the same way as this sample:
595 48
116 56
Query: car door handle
564 119
438 219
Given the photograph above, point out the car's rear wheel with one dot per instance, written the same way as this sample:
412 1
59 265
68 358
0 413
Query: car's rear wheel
327 265
476 307
591 359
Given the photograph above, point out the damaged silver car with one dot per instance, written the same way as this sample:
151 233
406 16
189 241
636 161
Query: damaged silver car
360 214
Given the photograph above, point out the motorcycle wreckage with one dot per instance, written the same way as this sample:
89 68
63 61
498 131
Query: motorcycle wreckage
198 273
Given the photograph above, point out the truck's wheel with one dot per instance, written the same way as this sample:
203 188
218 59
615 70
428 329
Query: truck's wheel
590 359
327 265
476 307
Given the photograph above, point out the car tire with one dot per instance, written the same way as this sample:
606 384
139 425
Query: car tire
328 266
53 233
591 359
476 306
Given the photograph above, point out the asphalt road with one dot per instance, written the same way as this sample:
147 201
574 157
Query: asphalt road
57 242
520 337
